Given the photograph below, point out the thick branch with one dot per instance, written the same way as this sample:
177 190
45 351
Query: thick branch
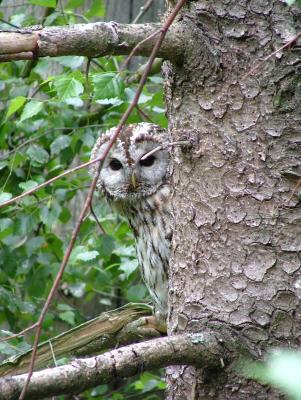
92 40
202 350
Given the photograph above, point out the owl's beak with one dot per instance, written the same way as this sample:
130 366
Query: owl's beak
134 181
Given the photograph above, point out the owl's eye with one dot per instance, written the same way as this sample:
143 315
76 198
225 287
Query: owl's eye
115 165
147 162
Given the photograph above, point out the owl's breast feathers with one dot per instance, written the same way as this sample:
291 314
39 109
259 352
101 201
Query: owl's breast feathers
150 220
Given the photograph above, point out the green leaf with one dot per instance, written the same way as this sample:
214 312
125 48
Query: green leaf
44 3
4 196
14 105
59 144
31 109
28 185
113 101
73 62
37 155
128 266
68 316
5 223
9 299
87 255
108 86
50 214
136 293
33 244
77 289
3 164
75 102
97 9
67 87
64 307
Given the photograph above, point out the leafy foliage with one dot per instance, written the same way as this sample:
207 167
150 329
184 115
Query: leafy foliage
51 112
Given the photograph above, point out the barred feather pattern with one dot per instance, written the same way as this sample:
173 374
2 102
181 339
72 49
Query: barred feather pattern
150 221
146 202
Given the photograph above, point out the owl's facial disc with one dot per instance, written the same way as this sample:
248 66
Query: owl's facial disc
126 181
137 164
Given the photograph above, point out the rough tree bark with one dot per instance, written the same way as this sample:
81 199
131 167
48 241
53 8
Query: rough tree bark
237 230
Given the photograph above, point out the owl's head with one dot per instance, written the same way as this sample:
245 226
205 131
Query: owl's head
126 175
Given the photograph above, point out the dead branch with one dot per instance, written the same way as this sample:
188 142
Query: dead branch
109 330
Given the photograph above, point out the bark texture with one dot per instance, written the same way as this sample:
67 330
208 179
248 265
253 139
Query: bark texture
236 248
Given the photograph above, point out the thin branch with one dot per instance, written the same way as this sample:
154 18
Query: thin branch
46 183
102 230
9 23
144 115
202 350
179 143
88 201
29 328
136 48
143 10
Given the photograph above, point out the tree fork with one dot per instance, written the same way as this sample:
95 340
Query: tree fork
91 40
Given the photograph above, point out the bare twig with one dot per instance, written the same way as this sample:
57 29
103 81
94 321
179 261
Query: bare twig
130 56
143 114
88 201
179 143
46 183
33 326
105 38
97 220
9 23
143 10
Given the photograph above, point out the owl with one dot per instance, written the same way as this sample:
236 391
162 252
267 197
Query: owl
138 188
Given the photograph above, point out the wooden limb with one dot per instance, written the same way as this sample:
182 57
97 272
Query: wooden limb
203 350
92 40
125 325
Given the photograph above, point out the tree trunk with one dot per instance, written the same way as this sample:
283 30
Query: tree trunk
237 232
